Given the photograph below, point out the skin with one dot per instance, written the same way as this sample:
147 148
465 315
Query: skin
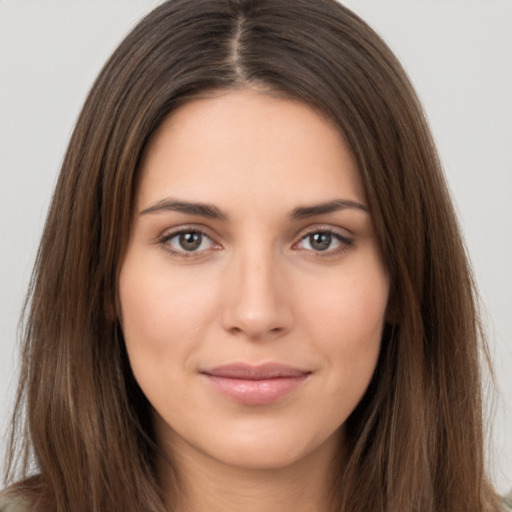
259 288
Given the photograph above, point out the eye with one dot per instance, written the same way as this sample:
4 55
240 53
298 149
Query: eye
187 242
324 241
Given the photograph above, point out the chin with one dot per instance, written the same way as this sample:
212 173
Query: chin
260 446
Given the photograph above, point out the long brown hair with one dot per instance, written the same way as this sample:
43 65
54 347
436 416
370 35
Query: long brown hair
416 437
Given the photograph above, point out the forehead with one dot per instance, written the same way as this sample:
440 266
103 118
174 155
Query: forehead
243 145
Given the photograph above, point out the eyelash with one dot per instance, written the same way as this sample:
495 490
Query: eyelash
165 239
345 242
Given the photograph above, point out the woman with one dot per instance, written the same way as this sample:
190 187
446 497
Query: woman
251 289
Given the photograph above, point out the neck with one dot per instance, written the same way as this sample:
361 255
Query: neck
207 485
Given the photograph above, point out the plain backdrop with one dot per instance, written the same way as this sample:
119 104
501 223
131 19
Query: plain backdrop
458 54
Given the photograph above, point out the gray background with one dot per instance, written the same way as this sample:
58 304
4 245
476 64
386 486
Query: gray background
457 52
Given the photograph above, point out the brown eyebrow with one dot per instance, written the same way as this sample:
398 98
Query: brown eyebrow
212 212
199 209
331 206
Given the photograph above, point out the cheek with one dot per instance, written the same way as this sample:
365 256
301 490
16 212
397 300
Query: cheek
351 306
163 316
164 321
348 326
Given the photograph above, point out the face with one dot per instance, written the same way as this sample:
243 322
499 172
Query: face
253 292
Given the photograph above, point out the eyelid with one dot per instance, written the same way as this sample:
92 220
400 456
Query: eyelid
170 233
346 241
343 233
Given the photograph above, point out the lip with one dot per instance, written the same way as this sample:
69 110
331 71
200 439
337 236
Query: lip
255 385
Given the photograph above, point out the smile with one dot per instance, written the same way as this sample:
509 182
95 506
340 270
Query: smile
255 385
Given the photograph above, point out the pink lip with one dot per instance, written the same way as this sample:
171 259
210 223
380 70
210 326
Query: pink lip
255 385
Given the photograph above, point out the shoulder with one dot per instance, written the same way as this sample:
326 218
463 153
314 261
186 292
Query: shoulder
10 503
507 502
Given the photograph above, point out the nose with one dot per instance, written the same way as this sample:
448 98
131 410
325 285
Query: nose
258 303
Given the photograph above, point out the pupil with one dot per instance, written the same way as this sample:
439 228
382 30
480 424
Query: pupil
320 241
190 241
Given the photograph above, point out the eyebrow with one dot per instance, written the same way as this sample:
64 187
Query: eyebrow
331 206
212 212
199 209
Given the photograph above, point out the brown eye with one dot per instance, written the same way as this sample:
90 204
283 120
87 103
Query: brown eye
320 241
325 242
190 241
187 242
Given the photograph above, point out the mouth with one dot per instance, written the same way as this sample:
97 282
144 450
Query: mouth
255 385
